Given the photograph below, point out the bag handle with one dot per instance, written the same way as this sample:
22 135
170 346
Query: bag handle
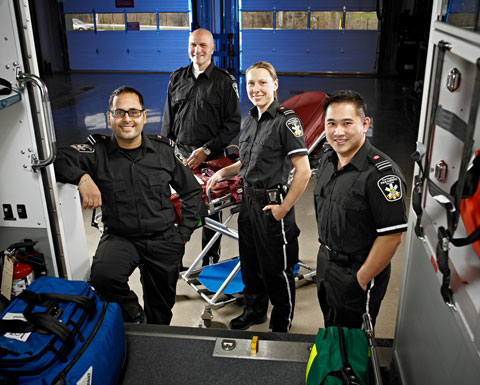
346 373
44 299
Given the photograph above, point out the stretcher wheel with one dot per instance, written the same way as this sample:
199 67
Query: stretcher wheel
206 317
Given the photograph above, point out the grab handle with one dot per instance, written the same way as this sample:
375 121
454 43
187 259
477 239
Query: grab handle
47 113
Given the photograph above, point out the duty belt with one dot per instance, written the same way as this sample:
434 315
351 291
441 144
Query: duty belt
341 258
271 196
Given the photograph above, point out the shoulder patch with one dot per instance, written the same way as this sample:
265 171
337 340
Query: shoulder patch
235 88
295 126
391 187
86 148
180 157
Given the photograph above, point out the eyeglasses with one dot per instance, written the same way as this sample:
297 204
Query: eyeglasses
133 113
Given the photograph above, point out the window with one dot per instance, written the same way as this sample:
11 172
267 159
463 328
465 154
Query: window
362 21
326 20
291 20
110 21
144 21
79 22
173 20
257 20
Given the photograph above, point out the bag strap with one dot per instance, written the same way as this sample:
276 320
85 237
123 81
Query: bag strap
457 192
420 179
44 320
44 299
346 373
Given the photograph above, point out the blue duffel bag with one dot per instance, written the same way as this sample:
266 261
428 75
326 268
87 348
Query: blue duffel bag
60 332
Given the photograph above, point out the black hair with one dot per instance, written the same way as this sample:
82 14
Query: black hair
123 90
343 96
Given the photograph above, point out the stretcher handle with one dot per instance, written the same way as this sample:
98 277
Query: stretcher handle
47 115
369 331
218 181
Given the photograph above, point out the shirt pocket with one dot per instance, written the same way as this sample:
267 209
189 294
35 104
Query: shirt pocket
268 154
159 191
209 113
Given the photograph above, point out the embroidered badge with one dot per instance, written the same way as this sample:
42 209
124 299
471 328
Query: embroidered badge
235 88
391 187
295 126
83 148
180 157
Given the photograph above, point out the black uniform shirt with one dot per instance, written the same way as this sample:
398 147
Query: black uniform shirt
202 111
362 200
266 146
135 190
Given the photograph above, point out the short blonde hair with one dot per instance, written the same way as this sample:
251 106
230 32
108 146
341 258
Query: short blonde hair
266 66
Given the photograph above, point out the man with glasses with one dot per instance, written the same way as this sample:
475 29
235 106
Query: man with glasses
129 175
202 112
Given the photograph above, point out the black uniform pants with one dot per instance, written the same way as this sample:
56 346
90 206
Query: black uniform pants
207 235
158 259
268 252
342 300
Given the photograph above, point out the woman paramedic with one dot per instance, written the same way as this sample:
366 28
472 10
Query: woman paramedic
271 141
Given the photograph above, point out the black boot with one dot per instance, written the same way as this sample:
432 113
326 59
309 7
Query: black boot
248 318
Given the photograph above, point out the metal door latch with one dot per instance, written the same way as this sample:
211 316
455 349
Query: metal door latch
441 170
453 80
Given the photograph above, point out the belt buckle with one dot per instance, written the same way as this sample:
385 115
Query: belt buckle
273 196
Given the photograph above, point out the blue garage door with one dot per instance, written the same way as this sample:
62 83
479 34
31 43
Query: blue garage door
127 35
310 36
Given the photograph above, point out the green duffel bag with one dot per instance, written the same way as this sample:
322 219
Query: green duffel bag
339 356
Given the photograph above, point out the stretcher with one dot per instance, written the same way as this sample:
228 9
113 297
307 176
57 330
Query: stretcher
221 283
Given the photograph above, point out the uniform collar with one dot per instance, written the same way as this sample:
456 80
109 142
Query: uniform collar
208 71
359 159
271 110
112 144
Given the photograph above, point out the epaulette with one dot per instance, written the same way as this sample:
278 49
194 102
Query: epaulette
286 111
380 162
162 139
232 78
178 70
97 138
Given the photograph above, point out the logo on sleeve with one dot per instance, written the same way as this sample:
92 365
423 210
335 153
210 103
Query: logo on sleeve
295 126
83 148
235 88
391 187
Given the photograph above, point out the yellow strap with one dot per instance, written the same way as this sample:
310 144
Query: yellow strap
254 346
313 355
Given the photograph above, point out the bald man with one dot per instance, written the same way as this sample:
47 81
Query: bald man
202 112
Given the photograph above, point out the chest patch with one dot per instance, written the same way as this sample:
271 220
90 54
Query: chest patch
180 157
83 148
391 187
295 126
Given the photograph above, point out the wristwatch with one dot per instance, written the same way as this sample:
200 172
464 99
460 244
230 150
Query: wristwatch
206 150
